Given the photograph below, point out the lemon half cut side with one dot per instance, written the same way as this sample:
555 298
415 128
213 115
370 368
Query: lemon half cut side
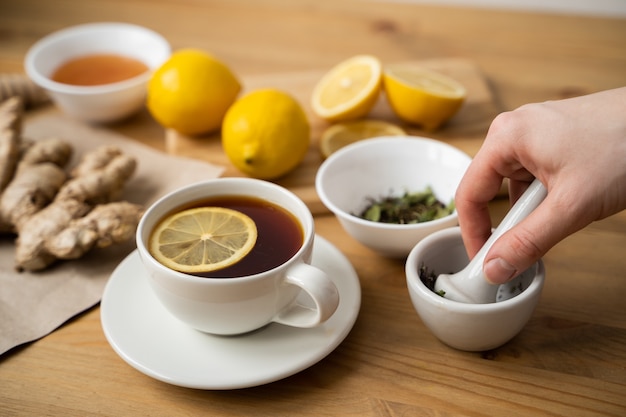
203 239
349 90
422 97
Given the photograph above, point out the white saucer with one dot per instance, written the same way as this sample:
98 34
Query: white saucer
151 340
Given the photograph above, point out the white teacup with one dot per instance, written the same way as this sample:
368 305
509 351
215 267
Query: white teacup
229 306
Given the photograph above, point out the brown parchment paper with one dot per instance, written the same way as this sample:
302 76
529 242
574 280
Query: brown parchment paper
34 304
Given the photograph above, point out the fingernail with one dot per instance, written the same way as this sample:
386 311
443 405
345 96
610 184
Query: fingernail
498 271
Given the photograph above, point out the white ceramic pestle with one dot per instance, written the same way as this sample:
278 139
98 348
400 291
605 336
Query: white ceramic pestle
469 285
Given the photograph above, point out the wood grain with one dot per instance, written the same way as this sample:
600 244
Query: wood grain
570 360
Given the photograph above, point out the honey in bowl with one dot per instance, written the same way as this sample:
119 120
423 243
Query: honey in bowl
279 234
98 69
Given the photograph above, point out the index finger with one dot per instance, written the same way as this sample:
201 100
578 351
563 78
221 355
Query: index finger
479 186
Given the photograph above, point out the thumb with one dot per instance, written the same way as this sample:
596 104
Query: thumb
523 245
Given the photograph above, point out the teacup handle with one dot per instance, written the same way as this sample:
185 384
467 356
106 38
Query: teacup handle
322 291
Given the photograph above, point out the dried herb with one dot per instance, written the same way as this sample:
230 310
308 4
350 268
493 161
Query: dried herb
429 277
408 208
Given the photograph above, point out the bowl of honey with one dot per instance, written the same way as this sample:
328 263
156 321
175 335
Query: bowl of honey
97 72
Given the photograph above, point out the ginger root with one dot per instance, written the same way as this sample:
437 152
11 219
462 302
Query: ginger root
36 181
31 252
56 216
100 177
10 130
86 194
105 225
19 85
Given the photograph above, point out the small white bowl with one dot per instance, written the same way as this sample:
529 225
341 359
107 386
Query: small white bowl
469 327
100 103
378 167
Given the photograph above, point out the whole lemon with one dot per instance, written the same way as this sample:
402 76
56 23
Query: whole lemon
191 92
266 134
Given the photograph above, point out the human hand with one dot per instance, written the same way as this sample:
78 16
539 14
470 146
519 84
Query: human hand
575 147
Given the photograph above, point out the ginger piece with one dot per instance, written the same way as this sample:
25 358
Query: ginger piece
95 160
101 175
37 180
11 112
48 212
54 150
31 191
31 253
19 85
105 225
9 155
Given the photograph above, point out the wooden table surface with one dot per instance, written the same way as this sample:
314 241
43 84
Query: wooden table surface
570 359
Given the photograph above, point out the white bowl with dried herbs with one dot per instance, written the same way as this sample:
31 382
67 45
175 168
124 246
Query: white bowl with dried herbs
390 192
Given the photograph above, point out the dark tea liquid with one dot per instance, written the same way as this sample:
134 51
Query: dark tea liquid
280 235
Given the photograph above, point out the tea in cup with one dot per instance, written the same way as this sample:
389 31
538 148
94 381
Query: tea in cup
260 288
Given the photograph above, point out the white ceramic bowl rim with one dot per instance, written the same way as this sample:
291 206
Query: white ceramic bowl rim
414 280
391 140
160 45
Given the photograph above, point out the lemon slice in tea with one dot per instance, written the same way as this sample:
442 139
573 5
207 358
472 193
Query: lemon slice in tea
341 134
203 239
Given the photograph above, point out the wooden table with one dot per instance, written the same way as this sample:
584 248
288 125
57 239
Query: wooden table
570 359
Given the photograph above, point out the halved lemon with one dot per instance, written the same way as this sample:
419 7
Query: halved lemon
422 97
341 134
349 90
203 239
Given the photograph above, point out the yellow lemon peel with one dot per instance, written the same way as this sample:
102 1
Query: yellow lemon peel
422 97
